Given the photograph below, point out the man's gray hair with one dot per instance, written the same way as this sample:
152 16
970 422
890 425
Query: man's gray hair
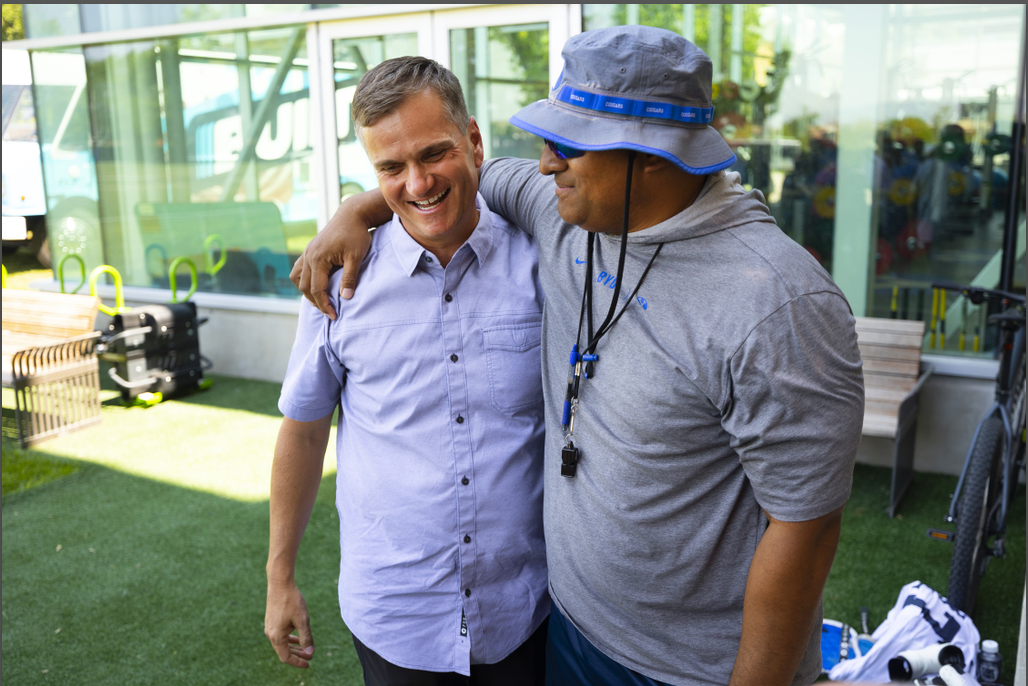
385 87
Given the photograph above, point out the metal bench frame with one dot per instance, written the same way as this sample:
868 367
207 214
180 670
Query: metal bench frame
56 388
903 443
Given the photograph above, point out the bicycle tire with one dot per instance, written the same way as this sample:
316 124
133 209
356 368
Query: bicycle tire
979 492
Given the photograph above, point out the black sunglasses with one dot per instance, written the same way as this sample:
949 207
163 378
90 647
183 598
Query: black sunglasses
563 151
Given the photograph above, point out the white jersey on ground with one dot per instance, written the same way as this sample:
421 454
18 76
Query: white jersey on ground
920 618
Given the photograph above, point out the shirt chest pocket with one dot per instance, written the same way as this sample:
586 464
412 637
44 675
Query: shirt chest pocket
514 367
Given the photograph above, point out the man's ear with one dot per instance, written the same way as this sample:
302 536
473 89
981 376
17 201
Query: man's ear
652 163
475 136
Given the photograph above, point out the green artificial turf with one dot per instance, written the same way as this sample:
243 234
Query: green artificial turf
162 533
21 473
146 565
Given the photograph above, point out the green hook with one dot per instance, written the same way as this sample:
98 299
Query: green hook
82 271
212 267
171 277
119 298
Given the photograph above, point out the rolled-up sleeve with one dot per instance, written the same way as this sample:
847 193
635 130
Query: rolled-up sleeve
795 407
315 376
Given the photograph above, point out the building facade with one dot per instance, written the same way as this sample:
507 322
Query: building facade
882 136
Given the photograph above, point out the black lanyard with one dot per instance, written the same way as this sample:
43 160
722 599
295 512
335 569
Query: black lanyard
587 355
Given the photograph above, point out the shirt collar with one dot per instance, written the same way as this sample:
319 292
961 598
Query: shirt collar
410 253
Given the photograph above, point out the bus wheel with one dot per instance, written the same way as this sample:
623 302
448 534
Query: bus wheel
39 246
76 232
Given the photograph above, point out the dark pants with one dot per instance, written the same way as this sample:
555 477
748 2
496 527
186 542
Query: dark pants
571 660
524 667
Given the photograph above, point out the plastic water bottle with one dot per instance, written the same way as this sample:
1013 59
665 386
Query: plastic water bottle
990 663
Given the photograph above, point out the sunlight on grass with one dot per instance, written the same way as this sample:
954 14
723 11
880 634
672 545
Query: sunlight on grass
21 472
219 450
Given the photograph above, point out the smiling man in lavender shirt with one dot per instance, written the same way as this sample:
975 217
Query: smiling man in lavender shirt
435 366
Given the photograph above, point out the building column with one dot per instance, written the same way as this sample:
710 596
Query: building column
859 109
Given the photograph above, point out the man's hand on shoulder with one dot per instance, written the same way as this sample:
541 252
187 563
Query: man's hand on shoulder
344 241
285 613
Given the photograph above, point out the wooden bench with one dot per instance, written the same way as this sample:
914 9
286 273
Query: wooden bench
893 377
49 358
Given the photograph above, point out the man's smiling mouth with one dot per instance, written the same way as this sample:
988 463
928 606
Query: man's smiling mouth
431 202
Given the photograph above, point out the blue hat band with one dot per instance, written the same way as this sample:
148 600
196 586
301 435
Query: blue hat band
635 108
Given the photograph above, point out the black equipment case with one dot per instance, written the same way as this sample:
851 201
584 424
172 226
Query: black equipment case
155 349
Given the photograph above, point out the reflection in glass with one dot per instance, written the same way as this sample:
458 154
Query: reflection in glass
202 151
502 69
43 20
942 156
352 58
19 114
67 155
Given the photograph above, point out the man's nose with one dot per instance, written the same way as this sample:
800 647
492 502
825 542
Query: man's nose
419 181
549 163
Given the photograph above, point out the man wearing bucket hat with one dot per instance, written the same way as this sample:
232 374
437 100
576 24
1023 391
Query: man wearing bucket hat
701 450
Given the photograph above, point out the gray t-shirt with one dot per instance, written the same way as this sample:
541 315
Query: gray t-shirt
731 384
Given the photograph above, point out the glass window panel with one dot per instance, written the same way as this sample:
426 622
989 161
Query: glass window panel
42 20
10 100
942 156
45 20
502 69
63 20
203 147
22 177
352 58
20 122
67 155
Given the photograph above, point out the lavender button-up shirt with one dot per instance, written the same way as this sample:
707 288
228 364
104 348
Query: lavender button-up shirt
439 445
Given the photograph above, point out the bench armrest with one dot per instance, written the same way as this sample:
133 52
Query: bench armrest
909 407
33 361
926 371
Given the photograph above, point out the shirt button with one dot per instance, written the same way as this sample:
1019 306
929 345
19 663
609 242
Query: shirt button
453 357
428 258
467 592
448 298
467 539
465 481
460 420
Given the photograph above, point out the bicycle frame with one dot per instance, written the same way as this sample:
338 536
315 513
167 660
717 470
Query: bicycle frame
1004 396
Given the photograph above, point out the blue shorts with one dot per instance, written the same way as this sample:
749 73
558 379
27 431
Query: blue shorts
571 660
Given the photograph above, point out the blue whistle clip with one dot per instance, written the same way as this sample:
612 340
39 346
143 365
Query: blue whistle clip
567 413
574 356
590 358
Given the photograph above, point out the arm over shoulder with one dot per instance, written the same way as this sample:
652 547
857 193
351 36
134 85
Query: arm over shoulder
514 189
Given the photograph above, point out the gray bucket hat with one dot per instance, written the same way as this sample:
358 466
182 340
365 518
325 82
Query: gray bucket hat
635 88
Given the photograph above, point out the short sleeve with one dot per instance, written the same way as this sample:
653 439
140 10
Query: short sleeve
795 407
315 376
514 189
